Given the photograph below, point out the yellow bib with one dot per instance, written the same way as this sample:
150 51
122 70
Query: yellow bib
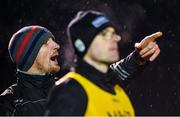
101 102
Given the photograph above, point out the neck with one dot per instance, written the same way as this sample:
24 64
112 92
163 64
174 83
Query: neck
34 71
28 73
100 66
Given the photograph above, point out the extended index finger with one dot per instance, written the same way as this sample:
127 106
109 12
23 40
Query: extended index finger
153 37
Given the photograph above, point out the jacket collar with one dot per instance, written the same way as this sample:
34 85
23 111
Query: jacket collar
34 81
87 70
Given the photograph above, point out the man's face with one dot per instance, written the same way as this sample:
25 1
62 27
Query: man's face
104 47
46 60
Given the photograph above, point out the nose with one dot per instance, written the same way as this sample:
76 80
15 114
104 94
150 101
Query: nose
56 46
116 37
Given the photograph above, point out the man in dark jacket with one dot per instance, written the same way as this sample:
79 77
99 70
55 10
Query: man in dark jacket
91 90
34 51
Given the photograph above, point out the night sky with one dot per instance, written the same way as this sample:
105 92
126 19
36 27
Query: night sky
155 91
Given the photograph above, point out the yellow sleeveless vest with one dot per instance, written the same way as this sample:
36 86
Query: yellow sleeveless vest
101 102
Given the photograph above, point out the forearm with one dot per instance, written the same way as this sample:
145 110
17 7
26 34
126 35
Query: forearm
127 67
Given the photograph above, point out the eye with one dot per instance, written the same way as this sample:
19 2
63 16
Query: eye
103 33
45 42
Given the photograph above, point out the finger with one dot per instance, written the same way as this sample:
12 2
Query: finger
153 37
137 46
142 44
154 56
150 52
147 48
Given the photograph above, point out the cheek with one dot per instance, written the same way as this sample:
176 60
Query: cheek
99 52
98 49
43 59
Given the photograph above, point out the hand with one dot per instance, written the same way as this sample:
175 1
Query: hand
148 48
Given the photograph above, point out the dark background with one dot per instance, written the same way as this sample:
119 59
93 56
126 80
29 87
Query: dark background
154 92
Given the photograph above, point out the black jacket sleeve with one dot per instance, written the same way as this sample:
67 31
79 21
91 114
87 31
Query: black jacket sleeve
5 107
6 102
128 66
67 99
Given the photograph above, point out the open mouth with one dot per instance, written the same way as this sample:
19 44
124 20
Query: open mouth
54 58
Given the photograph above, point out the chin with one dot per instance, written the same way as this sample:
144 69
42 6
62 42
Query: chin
55 69
115 58
111 61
